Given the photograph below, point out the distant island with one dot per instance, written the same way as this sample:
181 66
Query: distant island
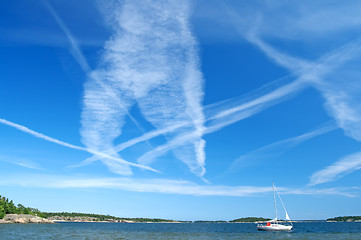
345 219
11 213
250 220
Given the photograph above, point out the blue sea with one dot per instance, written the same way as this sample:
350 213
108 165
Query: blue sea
89 231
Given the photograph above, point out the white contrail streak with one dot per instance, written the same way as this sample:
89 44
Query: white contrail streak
250 108
342 97
21 162
150 60
237 113
227 117
278 148
337 170
308 73
68 145
129 143
137 36
245 110
39 135
78 55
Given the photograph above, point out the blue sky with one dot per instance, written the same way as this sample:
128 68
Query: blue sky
184 110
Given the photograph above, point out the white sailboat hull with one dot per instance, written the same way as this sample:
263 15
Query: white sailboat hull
274 227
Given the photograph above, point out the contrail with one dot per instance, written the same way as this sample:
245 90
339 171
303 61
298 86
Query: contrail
197 125
225 117
78 55
325 64
234 114
81 60
342 99
279 147
21 162
68 145
346 165
151 61
245 110
129 143
39 135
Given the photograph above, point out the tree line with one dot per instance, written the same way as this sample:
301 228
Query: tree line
99 217
345 219
8 207
251 219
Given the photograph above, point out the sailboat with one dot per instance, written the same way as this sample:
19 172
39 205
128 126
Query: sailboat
274 224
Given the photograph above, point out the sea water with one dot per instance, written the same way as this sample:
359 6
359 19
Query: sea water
90 231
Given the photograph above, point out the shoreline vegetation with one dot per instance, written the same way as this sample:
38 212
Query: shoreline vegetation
345 219
11 213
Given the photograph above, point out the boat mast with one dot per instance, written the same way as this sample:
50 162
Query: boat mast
274 198
284 208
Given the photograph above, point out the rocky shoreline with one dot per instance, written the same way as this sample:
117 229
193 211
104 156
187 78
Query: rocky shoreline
86 219
27 218
24 218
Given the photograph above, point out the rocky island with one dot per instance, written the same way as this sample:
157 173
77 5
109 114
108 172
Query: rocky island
24 218
345 219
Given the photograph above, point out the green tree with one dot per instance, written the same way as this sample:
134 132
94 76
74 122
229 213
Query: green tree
2 212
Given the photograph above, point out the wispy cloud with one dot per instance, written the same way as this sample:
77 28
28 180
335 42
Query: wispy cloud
115 160
313 72
305 22
168 91
310 22
341 98
229 114
309 74
21 162
146 136
218 116
75 49
167 186
278 148
224 113
108 92
151 60
38 135
337 170
342 90
232 111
